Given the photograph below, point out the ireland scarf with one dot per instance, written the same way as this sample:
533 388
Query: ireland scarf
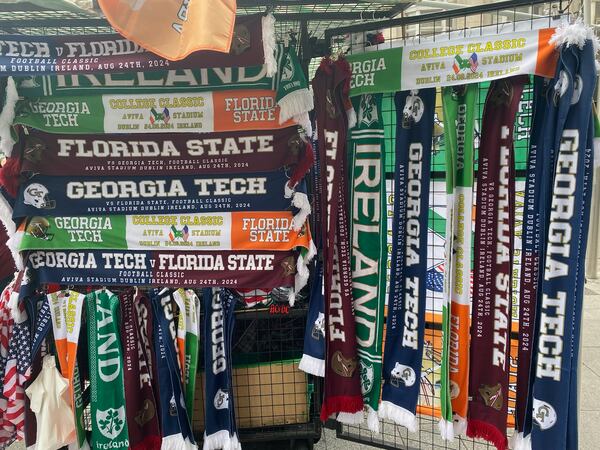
368 231
406 306
140 404
459 121
559 309
490 327
220 427
175 424
109 425
342 392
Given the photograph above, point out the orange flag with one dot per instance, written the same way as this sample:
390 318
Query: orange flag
174 28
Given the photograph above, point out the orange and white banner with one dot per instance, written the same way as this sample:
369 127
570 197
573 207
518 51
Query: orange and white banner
174 28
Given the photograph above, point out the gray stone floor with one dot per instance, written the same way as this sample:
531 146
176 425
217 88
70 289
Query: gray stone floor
590 383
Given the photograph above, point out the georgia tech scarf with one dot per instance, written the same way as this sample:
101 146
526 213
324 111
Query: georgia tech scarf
490 326
202 112
406 304
43 195
257 270
140 404
459 121
175 424
342 391
559 310
368 231
113 53
219 415
313 355
162 153
289 83
109 422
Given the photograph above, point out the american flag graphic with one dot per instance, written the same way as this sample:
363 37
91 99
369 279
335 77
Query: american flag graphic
435 278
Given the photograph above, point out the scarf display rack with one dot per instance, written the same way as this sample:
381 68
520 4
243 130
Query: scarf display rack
486 19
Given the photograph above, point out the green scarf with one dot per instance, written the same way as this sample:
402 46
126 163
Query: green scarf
368 231
293 96
109 427
459 121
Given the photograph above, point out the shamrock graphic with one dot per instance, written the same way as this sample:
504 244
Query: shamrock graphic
111 421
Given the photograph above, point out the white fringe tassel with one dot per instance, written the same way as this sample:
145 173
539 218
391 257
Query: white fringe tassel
7 116
351 118
300 201
221 440
269 44
519 442
351 418
303 120
401 416
460 425
372 420
295 104
174 442
312 365
574 34
446 430
11 230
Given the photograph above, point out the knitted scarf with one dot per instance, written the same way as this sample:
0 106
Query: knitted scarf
219 414
113 53
175 424
109 424
43 195
459 121
252 269
313 354
342 392
293 96
140 404
560 307
368 231
406 305
164 153
490 326
168 112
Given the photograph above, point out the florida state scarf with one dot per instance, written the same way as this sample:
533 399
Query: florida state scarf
219 415
406 305
368 231
254 46
313 354
175 424
140 404
109 419
492 287
459 121
342 391
559 310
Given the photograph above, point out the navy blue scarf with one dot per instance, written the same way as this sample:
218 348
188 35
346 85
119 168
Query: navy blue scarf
219 415
313 357
406 314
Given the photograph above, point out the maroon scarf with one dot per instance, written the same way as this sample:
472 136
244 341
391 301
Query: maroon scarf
342 393
491 320
140 404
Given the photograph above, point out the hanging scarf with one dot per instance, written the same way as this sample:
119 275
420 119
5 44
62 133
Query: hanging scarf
219 414
109 426
313 354
195 231
189 317
559 309
490 326
175 424
368 231
342 391
406 306
204 112
140 404
163 153
180 332
44 195
250 269
459 122
7 428
113 53
293 96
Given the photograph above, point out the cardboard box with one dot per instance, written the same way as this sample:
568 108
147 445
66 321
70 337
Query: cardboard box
265 395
